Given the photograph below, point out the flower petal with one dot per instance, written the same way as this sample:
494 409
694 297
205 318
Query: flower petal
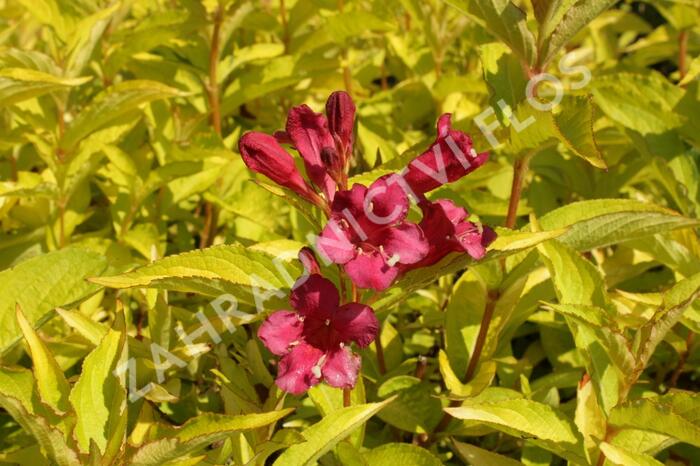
404 243
315 297
385 202
448 159
334 242
349 206
369 270
280 330
473 239
356 322
296 373
310 135
263 154
341 368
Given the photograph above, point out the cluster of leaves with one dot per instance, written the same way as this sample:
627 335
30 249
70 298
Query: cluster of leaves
125 209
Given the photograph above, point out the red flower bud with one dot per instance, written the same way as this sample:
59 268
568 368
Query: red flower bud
340 111
264 155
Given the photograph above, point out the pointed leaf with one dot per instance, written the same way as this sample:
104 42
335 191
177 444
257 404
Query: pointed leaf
18 84
622 457
214 271
41 283
94 392
197 433
477 456
392 454
113 103
51 383
525 419
574 126
326 433
505 20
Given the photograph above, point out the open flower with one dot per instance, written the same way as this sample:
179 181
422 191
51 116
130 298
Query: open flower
447 230
313 341
448 159
368 234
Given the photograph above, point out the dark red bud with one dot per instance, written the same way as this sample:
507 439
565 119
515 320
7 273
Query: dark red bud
340 111
308 260
264 155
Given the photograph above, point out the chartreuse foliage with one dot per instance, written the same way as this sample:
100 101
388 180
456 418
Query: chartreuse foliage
129 221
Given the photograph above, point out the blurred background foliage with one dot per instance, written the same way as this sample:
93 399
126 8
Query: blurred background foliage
118 129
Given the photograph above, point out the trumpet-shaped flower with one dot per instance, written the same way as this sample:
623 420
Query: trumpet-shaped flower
314 340
368 234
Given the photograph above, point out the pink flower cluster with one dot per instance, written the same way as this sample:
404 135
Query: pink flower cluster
367 233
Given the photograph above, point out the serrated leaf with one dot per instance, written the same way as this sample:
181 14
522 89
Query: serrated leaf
18 383
675 302
49 438
113 103
197 433
525 419
476 456
94 393
589 418
574 126
503 19
603 222
51 383
40 284
674 415
84 39
564 21
392 454
622 457
326 433
414 408
93 331
642 102
214 271
18 84
509 240
577 281
481 380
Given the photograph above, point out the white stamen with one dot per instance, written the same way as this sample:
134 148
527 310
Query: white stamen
342 345
328 322
393 260
316 371
473 153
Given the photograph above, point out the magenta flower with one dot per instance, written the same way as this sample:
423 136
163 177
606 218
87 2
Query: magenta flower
263 154
313 341
448 159
368 234
447 229
324 144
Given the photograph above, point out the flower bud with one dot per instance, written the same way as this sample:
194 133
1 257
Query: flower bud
340 111
264 155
